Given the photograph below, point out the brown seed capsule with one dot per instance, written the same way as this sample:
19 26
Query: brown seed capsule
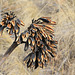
33 42
52 45
35 25
27 34
22 23
48 19
17 30
18 25
49 37
49 29
48 50
40 36
43 33
35 38
13 23
34 29
49 26
9 25
53 49
2 23
33 34
53 23
38 60
7 17
29 41
23 36
34 59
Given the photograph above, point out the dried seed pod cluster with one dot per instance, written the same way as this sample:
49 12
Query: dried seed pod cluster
11 23
39 38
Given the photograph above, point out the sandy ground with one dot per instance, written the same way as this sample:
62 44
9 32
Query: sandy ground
61 11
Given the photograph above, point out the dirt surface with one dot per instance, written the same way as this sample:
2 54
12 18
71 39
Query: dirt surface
61 11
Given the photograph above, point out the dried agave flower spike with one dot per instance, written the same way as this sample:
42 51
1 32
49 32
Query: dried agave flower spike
39 38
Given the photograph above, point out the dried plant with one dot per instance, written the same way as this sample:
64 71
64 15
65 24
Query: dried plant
38 37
